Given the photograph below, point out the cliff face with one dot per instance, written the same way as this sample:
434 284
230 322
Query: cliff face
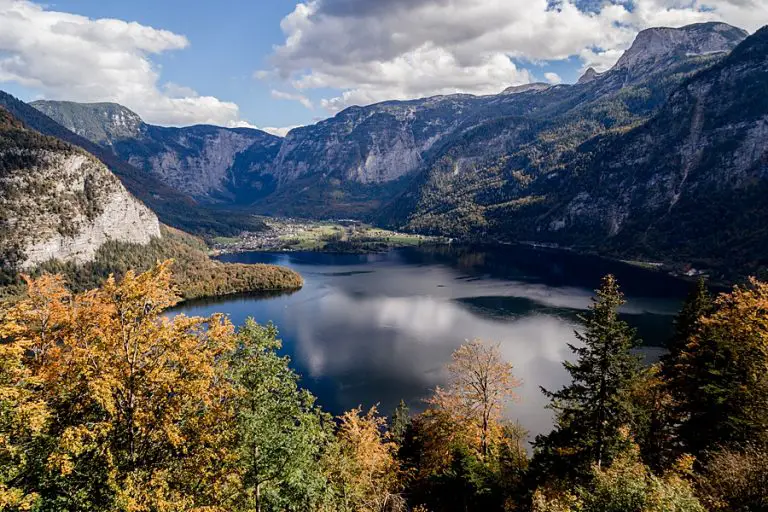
58 202
201 161
655 46
690 182
209 163
102 123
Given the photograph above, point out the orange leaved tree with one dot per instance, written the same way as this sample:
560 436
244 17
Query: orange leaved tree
137 410
480 384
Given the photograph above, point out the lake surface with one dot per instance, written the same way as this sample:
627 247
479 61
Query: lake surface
370 329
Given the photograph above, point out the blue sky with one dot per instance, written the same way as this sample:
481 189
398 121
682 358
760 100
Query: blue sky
282 63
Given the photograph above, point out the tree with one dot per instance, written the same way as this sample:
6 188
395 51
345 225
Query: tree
683 374
725 395
626 486
399 423
24 417
736 480
480 384
361 467
592 409
281 433
139 415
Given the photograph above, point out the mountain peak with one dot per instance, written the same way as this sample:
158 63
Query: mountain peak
99 122
588 76
654 45
535 86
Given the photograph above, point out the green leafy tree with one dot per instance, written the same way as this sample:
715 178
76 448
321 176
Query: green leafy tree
592 409
627 485
281 432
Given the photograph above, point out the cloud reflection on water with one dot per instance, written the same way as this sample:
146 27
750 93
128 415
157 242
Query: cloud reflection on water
375 329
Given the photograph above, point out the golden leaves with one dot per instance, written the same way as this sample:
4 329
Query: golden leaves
134 394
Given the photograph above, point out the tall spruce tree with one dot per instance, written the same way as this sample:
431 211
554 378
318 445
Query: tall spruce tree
685 372
593 408
697 305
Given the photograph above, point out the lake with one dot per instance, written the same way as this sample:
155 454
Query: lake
372 329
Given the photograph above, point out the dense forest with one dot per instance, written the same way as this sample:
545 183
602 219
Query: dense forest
195 274
108 404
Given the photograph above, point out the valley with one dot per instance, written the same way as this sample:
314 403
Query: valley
384 256
350 236
624 163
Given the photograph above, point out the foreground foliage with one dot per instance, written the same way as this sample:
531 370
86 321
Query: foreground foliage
109 404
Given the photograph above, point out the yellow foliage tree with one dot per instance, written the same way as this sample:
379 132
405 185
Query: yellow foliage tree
481 383
361 465
139 412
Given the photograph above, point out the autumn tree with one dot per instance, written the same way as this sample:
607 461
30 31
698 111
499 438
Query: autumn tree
480 384
596 404
24 416
281 433
725 399
139 415
361 467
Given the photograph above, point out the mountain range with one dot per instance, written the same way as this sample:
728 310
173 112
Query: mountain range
661 157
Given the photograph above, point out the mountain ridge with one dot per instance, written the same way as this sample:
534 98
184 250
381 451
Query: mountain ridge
59 202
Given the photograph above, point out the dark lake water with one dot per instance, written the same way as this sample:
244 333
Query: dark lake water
370 329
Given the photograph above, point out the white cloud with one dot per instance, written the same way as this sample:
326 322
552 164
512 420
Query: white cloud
280 132
66 56
374 50
553 78
280 95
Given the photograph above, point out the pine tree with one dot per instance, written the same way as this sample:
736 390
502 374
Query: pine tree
399 422
683 373
687 323
593 408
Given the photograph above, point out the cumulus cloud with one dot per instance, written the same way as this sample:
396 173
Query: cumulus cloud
553 78
72 57
374 50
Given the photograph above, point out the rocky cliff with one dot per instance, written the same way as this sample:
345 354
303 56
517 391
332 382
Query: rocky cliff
58 202
205 162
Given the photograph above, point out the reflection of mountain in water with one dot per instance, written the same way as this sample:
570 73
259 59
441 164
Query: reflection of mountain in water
653 328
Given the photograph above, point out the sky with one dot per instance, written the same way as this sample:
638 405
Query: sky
277 64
